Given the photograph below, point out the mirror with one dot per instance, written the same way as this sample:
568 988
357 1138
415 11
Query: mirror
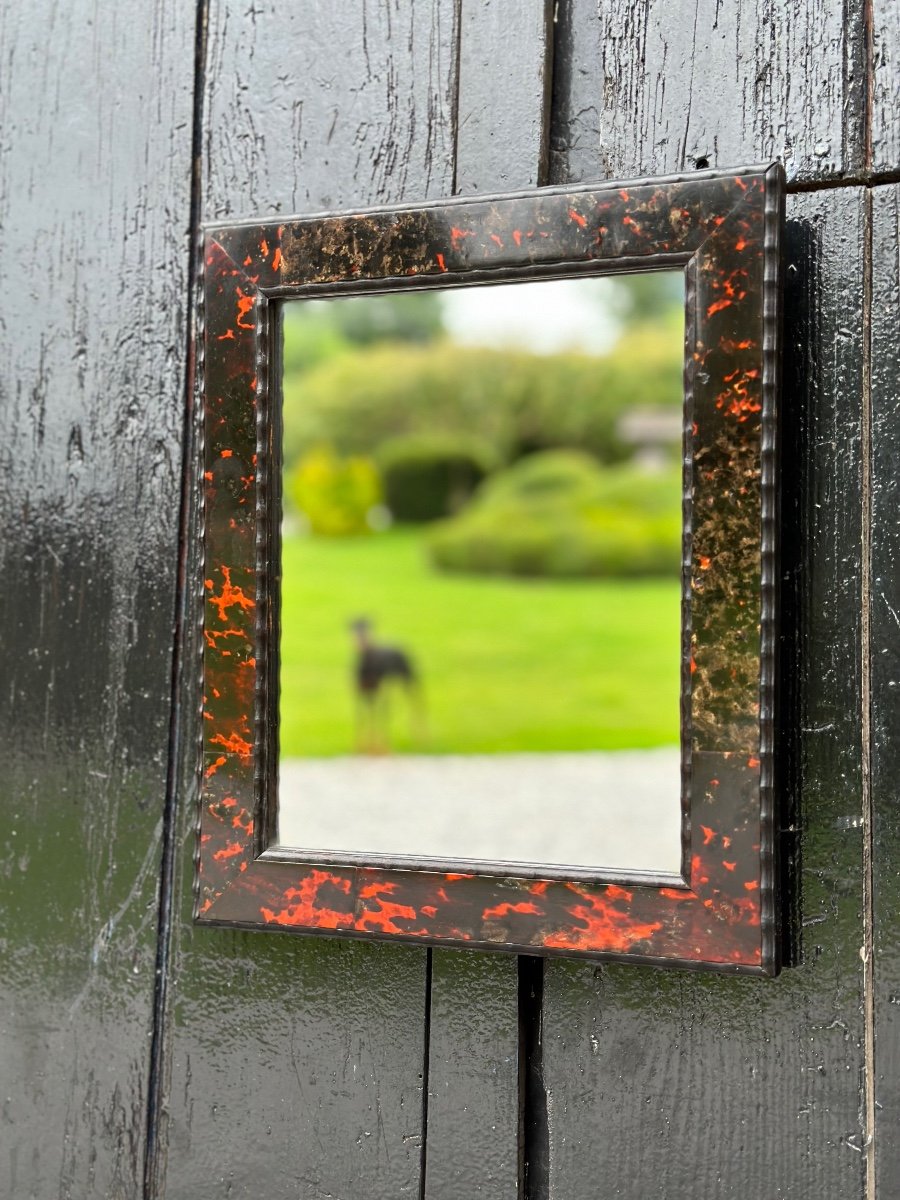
481 583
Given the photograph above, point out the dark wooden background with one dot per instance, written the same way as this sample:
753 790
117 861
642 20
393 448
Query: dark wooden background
140 1057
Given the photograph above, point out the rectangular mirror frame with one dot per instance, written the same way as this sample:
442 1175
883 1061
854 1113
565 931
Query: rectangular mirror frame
724 230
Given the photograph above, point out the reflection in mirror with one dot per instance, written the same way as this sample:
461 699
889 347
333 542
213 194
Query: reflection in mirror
481 574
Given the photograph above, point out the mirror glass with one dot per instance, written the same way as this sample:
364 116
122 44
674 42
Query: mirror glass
481 574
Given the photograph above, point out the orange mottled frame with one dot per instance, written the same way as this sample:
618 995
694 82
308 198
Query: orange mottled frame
723 229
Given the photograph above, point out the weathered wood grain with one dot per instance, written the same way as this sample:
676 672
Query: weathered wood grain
95 109
313 107
663 85
885 148
505 71
885 665
297 1068
669 1084
296 1065
473 1070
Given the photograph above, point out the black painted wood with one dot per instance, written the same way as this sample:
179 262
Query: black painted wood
666 1084
885 78
94 220
885 660
314 107
505 72
661 85
296 1066
473 1070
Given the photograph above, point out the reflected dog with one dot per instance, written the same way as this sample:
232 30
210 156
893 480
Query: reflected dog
375 667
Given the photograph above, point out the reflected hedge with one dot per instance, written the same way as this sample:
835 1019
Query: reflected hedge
431 475
515 402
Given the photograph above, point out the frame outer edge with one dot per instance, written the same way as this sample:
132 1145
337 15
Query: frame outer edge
571 189
769 562
706 965
199 599
773 212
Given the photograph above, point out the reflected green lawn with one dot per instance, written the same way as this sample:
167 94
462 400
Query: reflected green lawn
506 665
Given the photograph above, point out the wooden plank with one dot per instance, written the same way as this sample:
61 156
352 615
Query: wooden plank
473 1097
672 1084
94 214
296 1065
885 70
474 1035
664 85
885 667
505 72
317 106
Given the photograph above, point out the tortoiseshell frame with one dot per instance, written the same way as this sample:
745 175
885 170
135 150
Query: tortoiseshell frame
724 229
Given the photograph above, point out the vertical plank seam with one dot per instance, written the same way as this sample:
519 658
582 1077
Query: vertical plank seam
154 1155
869 1111
869 93
426 1073
551 10
457 66
534 1130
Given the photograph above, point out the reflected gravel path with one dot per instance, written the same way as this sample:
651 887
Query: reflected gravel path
619 809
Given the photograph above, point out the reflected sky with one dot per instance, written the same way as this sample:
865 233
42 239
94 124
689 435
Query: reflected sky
544 317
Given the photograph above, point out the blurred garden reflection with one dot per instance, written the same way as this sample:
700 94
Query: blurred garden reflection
481 558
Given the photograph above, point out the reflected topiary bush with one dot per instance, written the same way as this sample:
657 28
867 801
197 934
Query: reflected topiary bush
558 514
